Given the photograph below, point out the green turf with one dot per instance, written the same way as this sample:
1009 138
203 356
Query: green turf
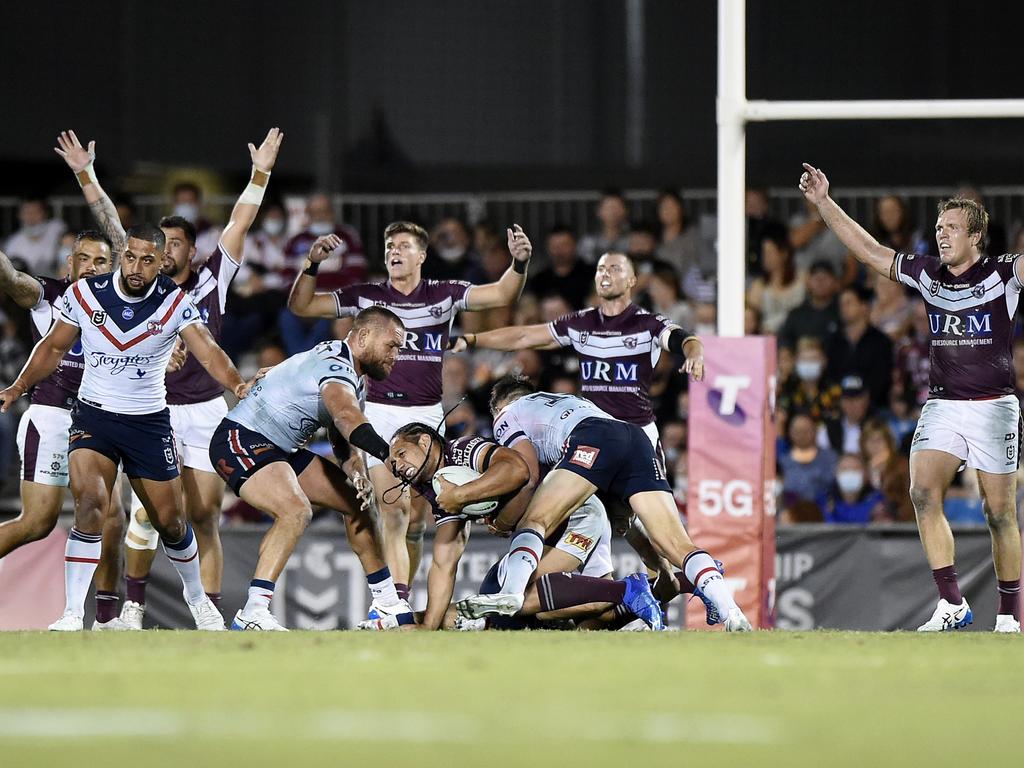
517 699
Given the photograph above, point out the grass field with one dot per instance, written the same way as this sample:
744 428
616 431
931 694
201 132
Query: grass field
523 699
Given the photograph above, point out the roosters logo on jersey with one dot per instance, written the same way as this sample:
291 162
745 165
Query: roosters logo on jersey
154 328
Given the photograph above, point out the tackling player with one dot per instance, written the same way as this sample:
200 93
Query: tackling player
589 450
128 323
194 398
413 390
972 416
259 450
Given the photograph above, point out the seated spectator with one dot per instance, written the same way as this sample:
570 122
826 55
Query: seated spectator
903 415
818 315
663 290
751 321
806 390
892 309
566 276
852 499
486 235
37 241
187 201
455 373
781 289
842 434
705 318
893 228
345 266
641 246
613 213
888 470
814 243
809 469
913 361
452 256
860 349
265 261
679 242
760 222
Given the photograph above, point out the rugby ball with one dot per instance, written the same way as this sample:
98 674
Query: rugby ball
459 475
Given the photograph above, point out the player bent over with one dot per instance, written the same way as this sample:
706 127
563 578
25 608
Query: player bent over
128 323
972 416
590 450
259 451
418 451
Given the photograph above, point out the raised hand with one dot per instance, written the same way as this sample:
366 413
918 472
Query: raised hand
814 184
265 157
8 396
519 244
75 155
323 247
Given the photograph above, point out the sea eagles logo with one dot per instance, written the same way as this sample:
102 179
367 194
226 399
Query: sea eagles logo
934 289
629 342
154 328
99 317
436 312
583 337
978 291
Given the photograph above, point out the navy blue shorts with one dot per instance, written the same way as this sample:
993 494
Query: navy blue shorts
615 456
237 452
143 445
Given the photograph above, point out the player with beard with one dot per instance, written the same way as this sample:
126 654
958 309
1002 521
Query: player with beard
43 429
128 323
972 416
194 398
259 450
413 390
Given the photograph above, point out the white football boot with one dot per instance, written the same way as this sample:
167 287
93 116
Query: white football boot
948 616
1006 623
132 613
207 616
116 624
260 620
737 622
68 623
500 604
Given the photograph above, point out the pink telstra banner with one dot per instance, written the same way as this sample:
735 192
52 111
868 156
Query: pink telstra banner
731 499
32 583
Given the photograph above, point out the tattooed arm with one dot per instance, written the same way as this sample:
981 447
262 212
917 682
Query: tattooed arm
80 160
24 289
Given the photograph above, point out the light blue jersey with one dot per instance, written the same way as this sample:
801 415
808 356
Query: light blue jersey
285 406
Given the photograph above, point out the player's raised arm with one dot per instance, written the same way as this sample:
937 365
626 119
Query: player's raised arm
43 361
510 339
304 300
449 544
248 204
23 289
862 245
80 160
214 359
509 287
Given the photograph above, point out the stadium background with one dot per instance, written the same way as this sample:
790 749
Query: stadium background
406 109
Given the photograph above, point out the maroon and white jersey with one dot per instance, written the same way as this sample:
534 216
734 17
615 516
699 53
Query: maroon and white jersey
971 318
617 357
472 452
207 286
60 388
428 313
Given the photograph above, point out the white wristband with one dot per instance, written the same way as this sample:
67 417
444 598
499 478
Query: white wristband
86 176
254 191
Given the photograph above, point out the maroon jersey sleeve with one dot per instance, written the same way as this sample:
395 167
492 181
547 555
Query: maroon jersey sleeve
910 268
1006 267
458 290
559 328
347 300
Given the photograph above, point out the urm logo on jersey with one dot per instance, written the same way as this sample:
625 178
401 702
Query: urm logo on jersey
598 370
431 342
975 324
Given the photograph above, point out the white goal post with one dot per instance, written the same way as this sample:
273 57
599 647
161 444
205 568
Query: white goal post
734 112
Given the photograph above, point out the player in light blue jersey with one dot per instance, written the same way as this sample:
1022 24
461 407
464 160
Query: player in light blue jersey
259 450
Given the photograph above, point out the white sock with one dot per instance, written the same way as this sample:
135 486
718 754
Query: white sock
699 567
81 556
261 592
523 555
184 556
382 586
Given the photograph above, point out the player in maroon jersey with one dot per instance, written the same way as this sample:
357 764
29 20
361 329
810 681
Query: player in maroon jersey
194 399
413 390
972 416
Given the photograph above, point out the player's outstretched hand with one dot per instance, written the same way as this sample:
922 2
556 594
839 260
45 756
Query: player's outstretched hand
178 356
519 244
8 396
323 247
694 365
265 157
75 155
458 344
814 184
243 389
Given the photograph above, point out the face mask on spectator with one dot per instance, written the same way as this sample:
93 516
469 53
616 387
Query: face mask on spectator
35 230
273 227
188 211
850 481
449 254
321 228
64 252
808 370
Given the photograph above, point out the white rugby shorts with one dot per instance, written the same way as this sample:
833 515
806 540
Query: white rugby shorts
984 434
194 425
43 444
386 419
